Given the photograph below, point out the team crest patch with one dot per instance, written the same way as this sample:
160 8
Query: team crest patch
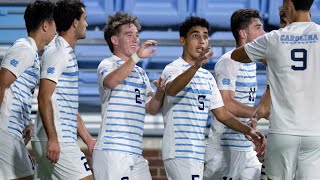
14 62
50 70
226 81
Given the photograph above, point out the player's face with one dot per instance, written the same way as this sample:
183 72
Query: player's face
127 40
196 41
254 30
82 26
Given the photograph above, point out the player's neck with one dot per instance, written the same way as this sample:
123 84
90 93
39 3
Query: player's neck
187 58
69 37
302 16
40 42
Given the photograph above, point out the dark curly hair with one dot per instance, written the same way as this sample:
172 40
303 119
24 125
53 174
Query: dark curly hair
114 24
241 19
190 22
66 12
36 13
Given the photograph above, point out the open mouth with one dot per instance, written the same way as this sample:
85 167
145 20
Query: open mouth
200 49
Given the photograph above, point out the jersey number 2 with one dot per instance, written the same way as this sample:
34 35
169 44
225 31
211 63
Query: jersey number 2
138 101
299 55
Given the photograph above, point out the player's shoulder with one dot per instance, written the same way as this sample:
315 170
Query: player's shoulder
55 52
107 62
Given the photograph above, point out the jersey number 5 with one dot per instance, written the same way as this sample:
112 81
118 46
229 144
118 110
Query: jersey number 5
299 55
201 99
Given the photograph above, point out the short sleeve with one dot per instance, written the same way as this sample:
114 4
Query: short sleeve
216 100
170 72
18 59
225 73
53 63
105 68
257 49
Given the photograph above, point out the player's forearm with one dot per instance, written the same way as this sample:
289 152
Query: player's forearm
113 79
238 109
264 106
155 104
82 131
46 113
181 81
228 119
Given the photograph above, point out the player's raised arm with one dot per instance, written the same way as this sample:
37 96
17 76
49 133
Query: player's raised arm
175 86
118 75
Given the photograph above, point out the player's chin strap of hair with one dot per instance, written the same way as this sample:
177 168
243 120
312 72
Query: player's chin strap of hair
135 57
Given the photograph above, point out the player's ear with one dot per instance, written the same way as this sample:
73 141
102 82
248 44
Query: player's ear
75 23
242 34
45 26
182 40
114 40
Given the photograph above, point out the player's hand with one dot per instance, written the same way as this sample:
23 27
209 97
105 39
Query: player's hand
203 57
159 84
26 134
262 150
253 123
53 150
91 145
260 112
143 50
258 139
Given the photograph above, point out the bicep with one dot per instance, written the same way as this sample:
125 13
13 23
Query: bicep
240 55
46 88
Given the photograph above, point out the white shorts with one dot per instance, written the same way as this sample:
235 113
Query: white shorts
183 169
230 164
288 155
72 163
109 165
15 160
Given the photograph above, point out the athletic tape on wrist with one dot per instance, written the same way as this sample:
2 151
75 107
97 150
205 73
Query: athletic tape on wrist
135 57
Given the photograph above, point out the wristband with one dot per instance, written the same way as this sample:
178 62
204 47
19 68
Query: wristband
135 57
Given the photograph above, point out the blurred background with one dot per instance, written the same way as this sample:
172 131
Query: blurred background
159 20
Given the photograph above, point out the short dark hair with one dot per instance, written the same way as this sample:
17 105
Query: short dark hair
241 19
302 5
190 22
66 12
114 24
36 13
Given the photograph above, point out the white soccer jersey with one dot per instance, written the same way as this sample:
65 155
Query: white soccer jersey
240 78
59 65
185 115
22 60
123 109
294 68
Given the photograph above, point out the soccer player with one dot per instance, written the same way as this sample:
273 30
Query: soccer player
19 75
126 95
55 145
229 154
291 54
191 92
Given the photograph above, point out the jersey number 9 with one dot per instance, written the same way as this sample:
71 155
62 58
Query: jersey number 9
299 55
